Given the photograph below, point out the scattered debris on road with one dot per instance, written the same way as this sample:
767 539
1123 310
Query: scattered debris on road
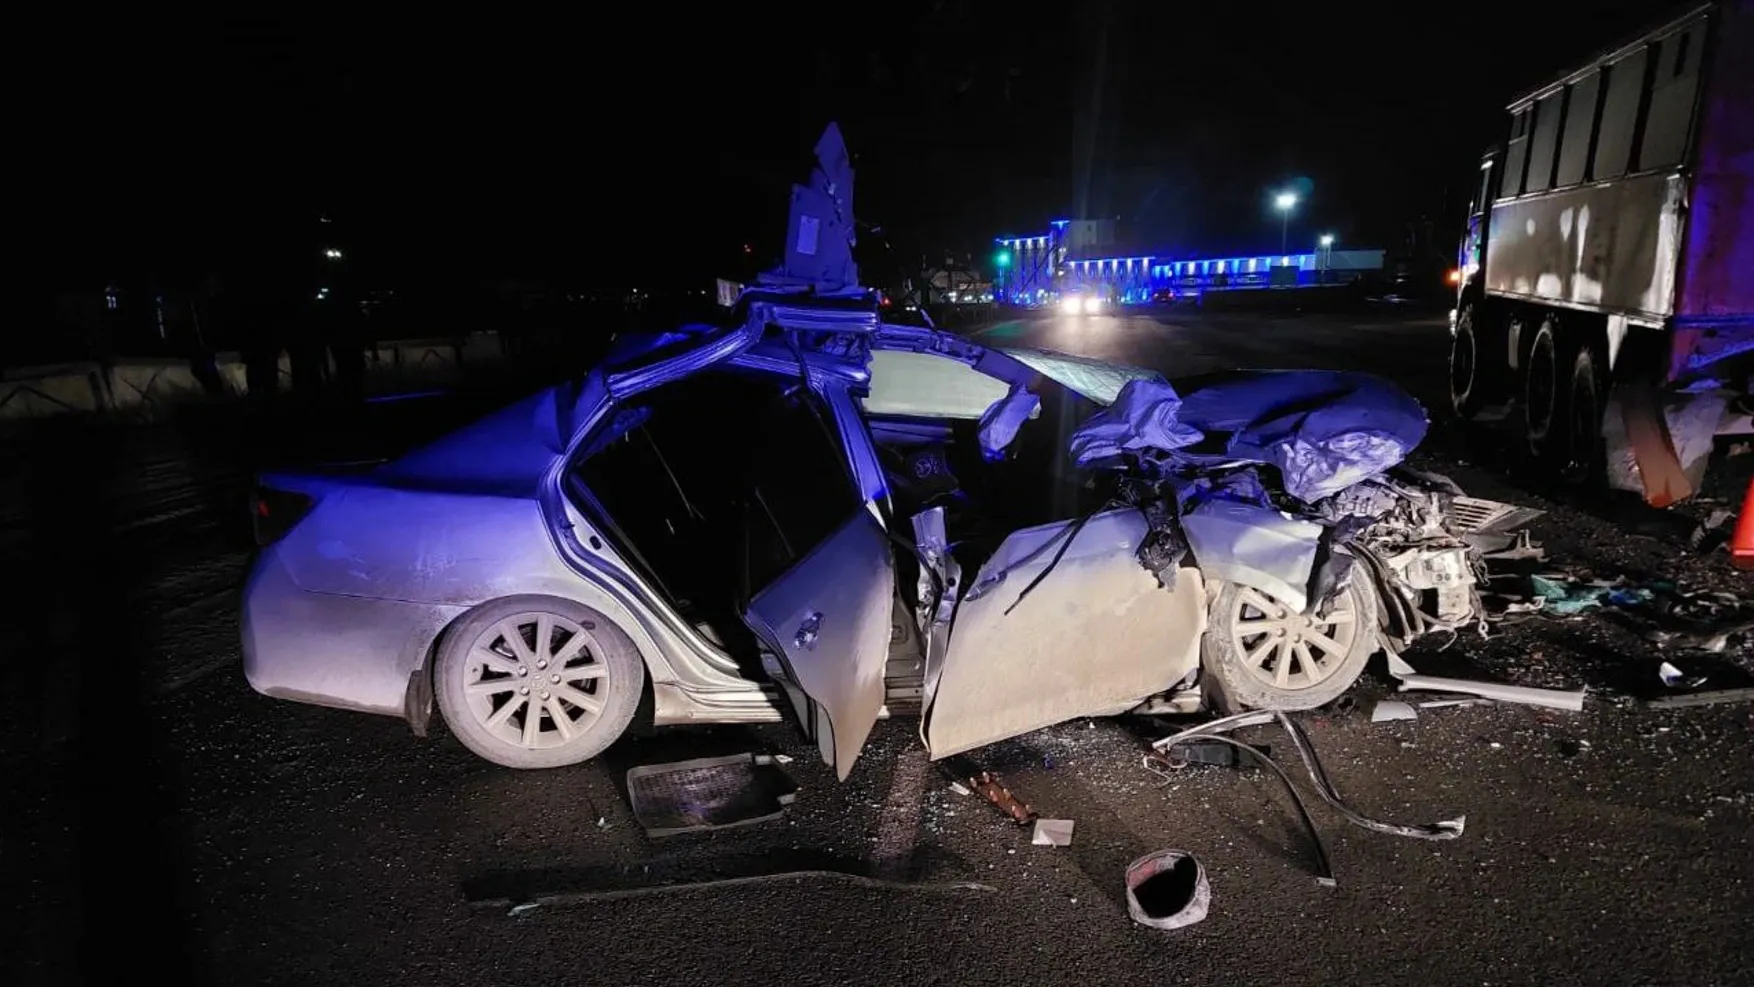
1393 709
1053 832
1167 890
1699 682
987 784
1155 759
1216 753
1571 701
966 779
708 793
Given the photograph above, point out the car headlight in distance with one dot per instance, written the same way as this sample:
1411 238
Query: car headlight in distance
1071 306
1092 306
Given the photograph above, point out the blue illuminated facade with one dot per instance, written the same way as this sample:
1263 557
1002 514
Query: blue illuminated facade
1033 270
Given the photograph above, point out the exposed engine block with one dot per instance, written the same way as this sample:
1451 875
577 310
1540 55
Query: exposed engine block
1405 533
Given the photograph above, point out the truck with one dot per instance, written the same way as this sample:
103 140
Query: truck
1605 307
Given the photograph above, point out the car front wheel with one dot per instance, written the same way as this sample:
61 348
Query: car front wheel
536 682
1259 653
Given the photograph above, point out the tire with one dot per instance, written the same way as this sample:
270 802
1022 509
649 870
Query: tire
1544 394
1471 374
1236 683
587 662
1585 450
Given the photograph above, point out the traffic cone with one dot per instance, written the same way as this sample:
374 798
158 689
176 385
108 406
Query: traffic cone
1742 545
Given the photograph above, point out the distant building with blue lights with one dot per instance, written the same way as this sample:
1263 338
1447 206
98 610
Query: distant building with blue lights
1080 256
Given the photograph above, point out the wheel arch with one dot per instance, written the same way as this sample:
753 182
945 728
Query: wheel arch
1579 329
1473 293
419 706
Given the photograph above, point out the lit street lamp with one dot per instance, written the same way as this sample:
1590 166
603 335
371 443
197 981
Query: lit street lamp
1284 202
1327 242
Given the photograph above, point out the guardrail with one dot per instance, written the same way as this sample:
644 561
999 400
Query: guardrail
147 386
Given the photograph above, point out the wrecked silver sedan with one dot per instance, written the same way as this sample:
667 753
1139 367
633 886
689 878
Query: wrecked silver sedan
809 512
813 514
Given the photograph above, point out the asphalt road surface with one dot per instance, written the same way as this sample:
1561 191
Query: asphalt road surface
160 819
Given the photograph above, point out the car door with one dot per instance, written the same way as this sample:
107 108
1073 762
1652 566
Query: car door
822 577
1097 633
1061 622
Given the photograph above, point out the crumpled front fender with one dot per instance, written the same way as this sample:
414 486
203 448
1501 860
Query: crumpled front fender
1254 546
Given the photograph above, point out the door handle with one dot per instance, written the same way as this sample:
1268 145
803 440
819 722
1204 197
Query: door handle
808 631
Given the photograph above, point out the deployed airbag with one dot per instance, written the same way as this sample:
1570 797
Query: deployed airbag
1324 430
1001 421
1143 417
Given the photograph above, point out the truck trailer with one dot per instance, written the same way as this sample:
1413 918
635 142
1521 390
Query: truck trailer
1606 299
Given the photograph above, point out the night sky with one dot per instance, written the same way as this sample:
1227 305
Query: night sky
653 141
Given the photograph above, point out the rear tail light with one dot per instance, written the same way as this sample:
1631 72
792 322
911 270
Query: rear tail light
274 512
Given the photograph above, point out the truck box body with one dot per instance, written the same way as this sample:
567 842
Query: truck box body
1716 290
1624 190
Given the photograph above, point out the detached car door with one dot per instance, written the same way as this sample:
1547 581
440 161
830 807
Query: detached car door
820 577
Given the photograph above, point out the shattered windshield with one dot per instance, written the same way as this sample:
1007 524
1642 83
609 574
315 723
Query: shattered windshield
1096 380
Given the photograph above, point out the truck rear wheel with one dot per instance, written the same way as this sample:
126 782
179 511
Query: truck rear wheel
1466 394
1585 452
1544 394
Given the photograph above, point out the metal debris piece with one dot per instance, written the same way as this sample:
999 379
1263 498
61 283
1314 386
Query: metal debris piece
1709 697
1674 678
1167 890
1212 752
1571 702
1324 866
987 784
571 895
1551 698
1053 832
1398 666
708 793
1446 829
1522 548
1711 638
1447 703
1393 709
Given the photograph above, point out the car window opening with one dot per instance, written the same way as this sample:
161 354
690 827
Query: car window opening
936 462
730 478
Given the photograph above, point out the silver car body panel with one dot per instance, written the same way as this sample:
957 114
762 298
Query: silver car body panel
828 621
940 581
349 652
1098 633
415 560
1255 546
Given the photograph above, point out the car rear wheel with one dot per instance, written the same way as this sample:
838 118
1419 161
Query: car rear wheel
537 682
1259 653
